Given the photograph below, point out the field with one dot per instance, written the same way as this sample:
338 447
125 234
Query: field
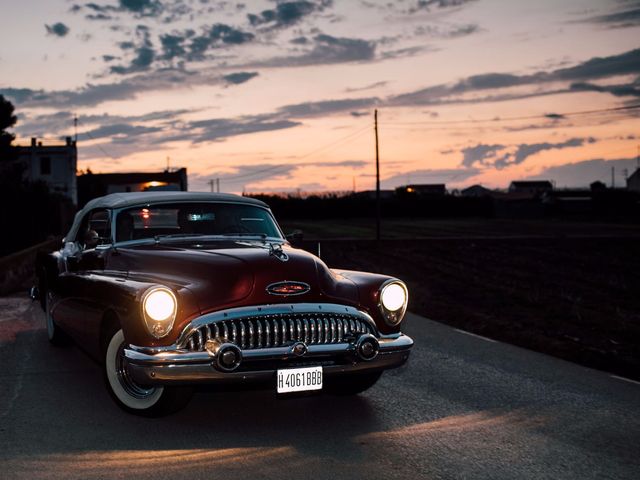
568 289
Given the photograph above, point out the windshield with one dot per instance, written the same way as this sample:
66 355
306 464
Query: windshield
194 219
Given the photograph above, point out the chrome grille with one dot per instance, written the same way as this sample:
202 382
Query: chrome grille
277 330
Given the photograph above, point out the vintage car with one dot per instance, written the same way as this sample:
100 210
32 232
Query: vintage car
170 290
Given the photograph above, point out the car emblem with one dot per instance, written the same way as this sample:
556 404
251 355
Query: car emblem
287 289
299 349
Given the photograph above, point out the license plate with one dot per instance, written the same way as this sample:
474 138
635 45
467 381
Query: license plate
299 379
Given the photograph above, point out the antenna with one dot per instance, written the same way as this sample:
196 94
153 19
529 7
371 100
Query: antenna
375 120
75 128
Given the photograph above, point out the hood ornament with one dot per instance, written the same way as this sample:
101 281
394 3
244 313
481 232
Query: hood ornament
275 249
287 289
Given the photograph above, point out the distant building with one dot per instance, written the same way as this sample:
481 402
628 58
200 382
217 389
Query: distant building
92 185
423 189
633 182
531 187
54 165
476 191
384 194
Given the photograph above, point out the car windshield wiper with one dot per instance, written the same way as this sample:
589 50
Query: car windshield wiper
157 238
245 234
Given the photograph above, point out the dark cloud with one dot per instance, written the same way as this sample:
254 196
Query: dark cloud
98 16
479 154
95 94
581 174
595 68
326 107
144 53
122 132
214 37
327 49
286 13
621 90
57 29
524 151
623 19
430 4
146 7
172 46
239 77
138 8
501 156
218 129
445 32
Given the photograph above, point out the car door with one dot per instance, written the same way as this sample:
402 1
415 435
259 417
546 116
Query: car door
83 259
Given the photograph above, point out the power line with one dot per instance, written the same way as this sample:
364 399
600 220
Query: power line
99 146
525 117
88 134
334 144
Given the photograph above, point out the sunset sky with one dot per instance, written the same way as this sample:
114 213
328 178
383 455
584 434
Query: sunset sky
276 96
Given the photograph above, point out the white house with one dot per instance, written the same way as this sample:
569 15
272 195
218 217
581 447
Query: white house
53 164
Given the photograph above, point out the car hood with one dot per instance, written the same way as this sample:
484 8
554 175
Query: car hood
228 274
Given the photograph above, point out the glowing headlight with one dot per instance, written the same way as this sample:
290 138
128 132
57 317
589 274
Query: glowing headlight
393 297
393 302
159 307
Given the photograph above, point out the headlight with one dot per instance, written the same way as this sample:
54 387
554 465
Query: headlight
159 307
393 301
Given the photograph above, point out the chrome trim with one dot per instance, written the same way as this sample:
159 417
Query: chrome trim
142 355
277 309
271 286
202 373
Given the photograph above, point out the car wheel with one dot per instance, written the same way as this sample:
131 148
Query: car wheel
138 399
353 384
56 336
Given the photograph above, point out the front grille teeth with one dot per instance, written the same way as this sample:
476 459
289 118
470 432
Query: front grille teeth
268 331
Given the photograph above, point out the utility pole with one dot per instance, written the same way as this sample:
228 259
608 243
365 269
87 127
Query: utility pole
218 185
75 128
168 164
210 182
613 177
375 119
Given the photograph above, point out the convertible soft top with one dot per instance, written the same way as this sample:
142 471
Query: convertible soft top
131 199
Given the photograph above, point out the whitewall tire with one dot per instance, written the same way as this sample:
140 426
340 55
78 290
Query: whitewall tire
137 399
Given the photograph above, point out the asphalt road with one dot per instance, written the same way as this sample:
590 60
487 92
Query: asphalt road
464 407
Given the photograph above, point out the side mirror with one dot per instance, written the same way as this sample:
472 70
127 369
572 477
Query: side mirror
296 237
91 239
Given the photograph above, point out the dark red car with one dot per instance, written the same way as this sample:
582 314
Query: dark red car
169 290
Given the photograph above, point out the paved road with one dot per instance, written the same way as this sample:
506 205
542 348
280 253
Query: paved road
464 407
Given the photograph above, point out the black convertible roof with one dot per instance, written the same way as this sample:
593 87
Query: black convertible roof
131 199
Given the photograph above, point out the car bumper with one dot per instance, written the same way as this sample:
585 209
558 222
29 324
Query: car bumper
181 367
